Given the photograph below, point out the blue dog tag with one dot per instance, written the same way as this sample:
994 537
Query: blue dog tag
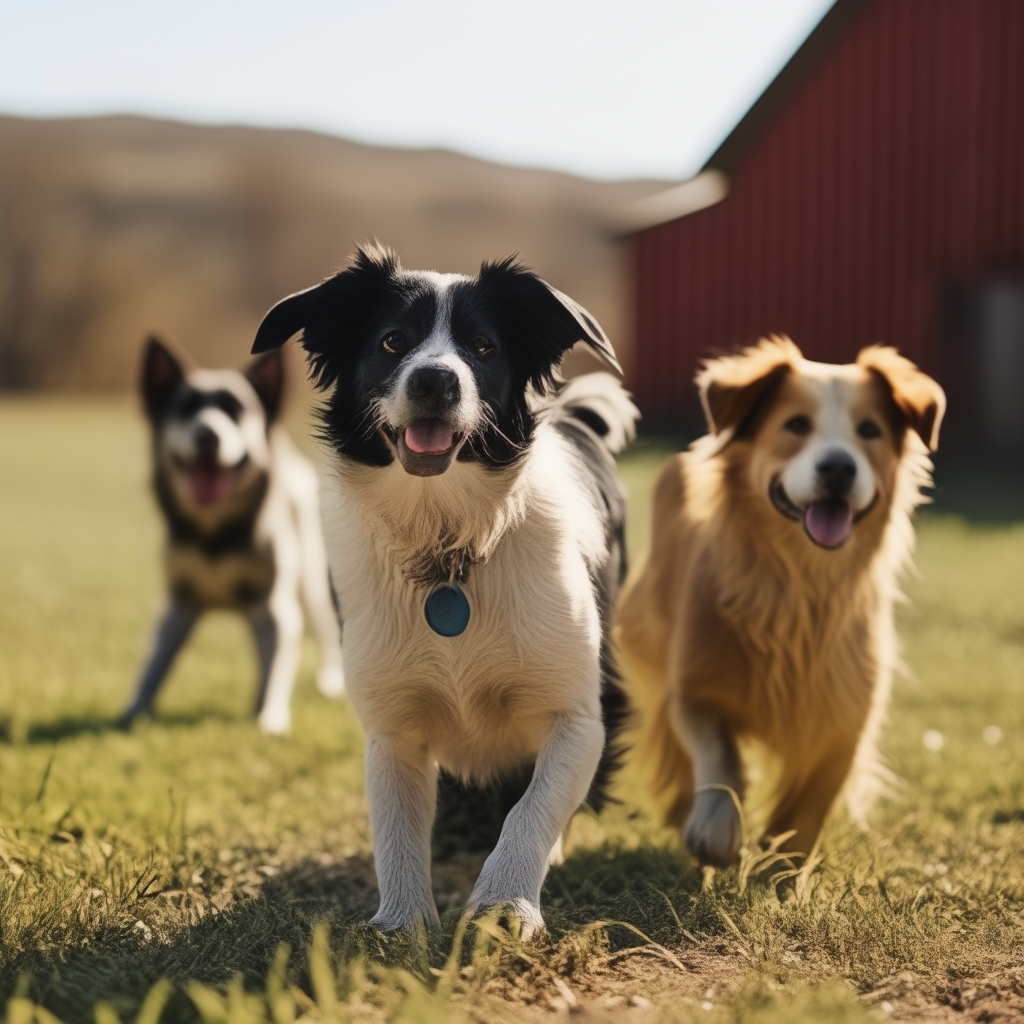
447 611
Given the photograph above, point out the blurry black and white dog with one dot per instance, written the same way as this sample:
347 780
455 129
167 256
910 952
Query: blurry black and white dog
243 523
474 525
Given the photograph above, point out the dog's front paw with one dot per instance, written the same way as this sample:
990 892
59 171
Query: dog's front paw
273 722
407 919
511 887
330 681
714 831
520 909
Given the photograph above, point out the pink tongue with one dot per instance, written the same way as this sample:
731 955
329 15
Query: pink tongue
828 523
429 437
208 485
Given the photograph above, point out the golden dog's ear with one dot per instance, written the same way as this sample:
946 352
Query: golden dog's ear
733 388
920 400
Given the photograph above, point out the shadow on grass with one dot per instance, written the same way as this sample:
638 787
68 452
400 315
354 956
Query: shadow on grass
1005 817
72 726
120 965
650 888
646 888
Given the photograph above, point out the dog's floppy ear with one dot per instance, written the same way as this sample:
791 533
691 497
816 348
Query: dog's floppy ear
162 372
287 317
543 322
330 312
592 334
266 375
733 388
920 400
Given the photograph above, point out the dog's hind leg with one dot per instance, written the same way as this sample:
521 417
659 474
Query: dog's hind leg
514 872
277 628
401 786
172 631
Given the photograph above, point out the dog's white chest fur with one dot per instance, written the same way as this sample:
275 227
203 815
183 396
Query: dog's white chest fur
487 699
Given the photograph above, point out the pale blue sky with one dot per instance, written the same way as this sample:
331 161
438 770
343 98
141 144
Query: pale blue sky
604 89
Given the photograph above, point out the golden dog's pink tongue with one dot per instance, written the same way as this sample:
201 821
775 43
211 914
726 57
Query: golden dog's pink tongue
828 523
429 437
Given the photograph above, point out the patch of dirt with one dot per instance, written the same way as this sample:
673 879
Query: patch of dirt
912 998
624 985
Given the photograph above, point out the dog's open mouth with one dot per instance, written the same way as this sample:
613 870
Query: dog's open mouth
427 447
208 484
827 521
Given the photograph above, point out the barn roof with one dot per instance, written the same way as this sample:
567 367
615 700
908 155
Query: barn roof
771 102
711 184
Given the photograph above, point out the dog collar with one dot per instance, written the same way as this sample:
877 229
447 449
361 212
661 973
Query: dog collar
447 611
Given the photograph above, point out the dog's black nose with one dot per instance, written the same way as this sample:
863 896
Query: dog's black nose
837 471
206 440
434 388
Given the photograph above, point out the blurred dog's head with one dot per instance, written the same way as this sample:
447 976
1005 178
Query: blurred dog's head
822 443
209 426
431 368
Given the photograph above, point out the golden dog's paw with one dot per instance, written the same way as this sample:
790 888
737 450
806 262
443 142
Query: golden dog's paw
714 832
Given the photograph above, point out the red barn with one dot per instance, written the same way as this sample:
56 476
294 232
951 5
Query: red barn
875 193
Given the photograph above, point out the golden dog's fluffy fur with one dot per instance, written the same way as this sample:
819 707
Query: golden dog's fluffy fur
740 625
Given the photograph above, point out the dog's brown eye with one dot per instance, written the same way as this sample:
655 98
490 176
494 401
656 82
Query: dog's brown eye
799 425
482 346
869 430
394 342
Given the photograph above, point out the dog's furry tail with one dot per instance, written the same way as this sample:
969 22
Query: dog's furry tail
603 404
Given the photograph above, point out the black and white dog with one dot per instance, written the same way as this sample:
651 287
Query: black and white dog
243 523
474 525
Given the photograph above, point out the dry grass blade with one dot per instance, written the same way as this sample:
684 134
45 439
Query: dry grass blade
757 861
650 946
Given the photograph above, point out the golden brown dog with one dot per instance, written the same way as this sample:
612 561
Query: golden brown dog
765 609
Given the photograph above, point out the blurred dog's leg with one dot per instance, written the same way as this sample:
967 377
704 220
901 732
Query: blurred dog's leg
277 627
514 872
401 787
713 831
316 594
264 632
171 632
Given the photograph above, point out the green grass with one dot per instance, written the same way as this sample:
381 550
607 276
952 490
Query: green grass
227 875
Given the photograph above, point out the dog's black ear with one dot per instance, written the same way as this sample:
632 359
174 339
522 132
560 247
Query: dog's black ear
287 317
543 322
162 372
919 399
733 389
330 313
266 375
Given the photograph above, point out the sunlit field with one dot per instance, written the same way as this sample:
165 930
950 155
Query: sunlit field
191 869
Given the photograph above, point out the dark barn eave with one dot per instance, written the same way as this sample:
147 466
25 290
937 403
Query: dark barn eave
770 104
